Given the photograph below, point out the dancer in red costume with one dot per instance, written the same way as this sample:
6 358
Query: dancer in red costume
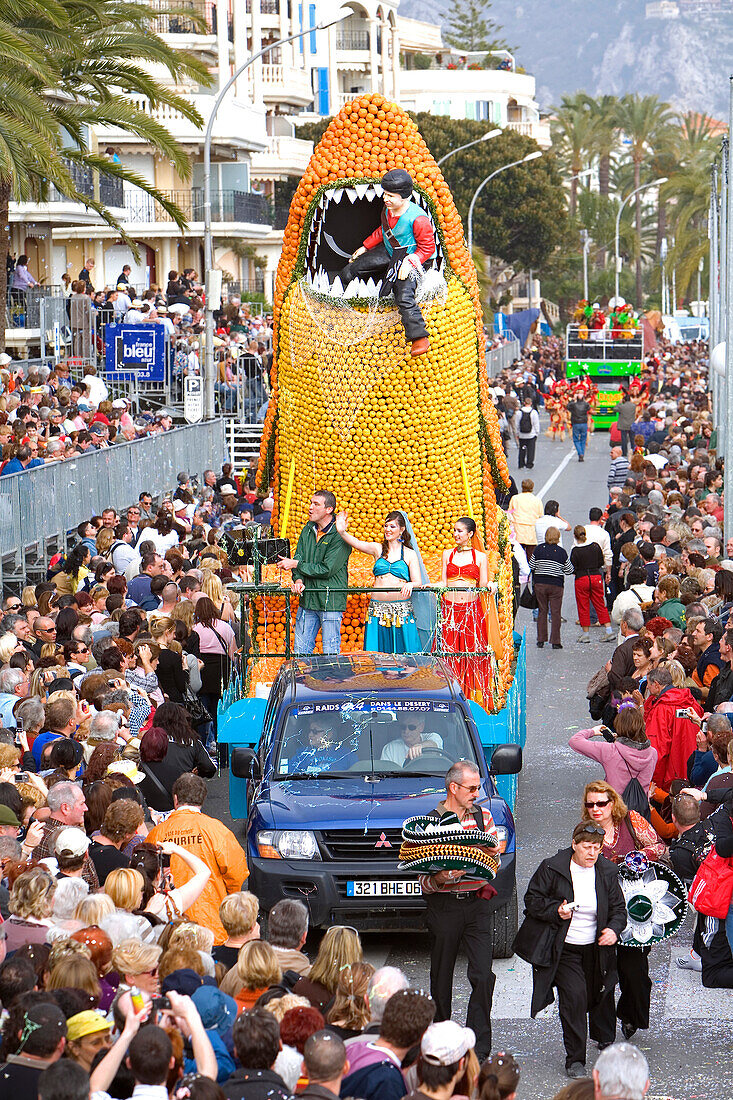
466 627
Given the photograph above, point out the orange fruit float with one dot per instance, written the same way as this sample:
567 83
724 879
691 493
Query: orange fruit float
349 405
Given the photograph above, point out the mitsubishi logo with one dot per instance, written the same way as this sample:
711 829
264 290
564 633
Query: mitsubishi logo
382 842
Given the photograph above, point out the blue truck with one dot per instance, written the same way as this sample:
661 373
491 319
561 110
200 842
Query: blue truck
323 776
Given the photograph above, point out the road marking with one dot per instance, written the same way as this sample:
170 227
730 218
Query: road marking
553 477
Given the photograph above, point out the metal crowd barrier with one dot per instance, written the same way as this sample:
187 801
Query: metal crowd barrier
501 358
38 508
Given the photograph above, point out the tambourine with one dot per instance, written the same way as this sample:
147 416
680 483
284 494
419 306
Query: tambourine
430 845
656 901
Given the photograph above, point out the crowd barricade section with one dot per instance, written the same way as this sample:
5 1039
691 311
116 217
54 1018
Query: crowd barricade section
40 507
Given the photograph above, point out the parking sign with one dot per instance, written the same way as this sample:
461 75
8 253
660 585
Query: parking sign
135 352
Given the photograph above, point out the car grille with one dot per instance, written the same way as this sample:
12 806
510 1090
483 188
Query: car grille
355 844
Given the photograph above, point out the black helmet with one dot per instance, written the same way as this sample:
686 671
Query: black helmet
398 182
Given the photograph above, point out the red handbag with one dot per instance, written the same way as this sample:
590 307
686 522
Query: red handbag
712 886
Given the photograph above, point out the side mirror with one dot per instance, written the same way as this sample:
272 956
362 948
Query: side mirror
506 760
244 763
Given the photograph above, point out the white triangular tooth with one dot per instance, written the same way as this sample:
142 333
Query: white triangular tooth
325 283
371 288
319 231
378 190
352 290
351 192
371 192
337 194
323 201
337 288
361 189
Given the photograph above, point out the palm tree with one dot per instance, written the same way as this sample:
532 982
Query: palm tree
604 112
574 133
69 65
643 119
689 184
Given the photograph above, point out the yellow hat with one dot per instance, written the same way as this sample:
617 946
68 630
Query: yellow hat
86 1023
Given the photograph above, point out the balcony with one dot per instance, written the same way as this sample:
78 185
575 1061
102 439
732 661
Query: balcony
227 207
284 156
352 40
241 125
200 22
284 84
539 129
267 7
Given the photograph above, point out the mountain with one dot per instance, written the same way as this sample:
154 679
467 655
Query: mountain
611 47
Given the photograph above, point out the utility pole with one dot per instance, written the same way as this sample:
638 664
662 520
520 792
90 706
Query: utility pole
728 484
585 238
722 296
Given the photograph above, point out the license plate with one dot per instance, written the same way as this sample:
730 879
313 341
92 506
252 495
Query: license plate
383 888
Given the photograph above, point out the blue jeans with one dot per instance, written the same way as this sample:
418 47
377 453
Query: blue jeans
307 625
580 434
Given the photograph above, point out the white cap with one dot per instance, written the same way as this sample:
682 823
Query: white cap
227 490
73 841
447 1042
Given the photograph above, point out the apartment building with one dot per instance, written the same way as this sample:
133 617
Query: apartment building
254 141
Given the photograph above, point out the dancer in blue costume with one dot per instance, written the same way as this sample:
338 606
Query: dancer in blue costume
390 624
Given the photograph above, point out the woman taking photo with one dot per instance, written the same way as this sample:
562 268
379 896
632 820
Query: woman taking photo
575 913
465 624
629 755
217 648
587 561
172 677
625 831
390 622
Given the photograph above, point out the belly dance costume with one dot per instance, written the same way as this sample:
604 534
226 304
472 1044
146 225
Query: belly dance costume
390 624
464 630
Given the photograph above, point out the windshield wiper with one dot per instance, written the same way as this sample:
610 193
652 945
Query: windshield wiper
315 775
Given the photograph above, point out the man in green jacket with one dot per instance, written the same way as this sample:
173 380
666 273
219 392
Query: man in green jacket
321 574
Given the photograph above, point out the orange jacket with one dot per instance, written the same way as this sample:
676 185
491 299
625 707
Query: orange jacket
220 850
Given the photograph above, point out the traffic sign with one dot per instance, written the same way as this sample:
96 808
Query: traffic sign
193 398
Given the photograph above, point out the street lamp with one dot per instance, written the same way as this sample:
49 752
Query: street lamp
208 238
644 186
530 156
469 144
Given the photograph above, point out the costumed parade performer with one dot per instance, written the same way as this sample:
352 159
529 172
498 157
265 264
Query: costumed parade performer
396 251
391 625
469 624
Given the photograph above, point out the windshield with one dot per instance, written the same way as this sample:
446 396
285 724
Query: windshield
387 737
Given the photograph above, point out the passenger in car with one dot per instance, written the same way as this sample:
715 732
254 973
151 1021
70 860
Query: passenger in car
325 751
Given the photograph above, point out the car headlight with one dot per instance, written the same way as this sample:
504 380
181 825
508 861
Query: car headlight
503 834
287 844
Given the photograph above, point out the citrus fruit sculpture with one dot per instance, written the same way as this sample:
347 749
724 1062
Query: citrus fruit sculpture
350 409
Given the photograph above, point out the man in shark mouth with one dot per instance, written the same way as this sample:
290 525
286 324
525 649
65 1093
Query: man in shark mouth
404 237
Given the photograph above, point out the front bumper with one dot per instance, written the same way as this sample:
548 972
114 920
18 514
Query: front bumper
322 887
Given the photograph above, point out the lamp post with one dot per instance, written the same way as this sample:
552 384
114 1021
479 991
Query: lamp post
208 238
644 186
530 156
469 144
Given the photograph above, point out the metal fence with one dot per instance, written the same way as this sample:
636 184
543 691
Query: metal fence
501 358
38 508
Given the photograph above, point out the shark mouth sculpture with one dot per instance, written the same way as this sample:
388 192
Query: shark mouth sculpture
341 220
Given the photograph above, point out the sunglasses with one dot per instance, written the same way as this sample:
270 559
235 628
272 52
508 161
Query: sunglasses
603 802
413 726
594 830
471 790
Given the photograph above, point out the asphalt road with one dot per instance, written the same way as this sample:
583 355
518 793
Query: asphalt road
687 1044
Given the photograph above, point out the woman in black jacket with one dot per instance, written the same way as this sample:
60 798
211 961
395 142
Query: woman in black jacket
574 914
185 753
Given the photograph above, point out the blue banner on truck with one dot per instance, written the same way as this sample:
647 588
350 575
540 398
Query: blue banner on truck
135 352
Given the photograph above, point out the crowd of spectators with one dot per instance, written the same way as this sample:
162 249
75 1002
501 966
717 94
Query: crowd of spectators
52 411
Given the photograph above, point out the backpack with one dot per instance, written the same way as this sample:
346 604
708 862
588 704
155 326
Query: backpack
635 796
525 422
